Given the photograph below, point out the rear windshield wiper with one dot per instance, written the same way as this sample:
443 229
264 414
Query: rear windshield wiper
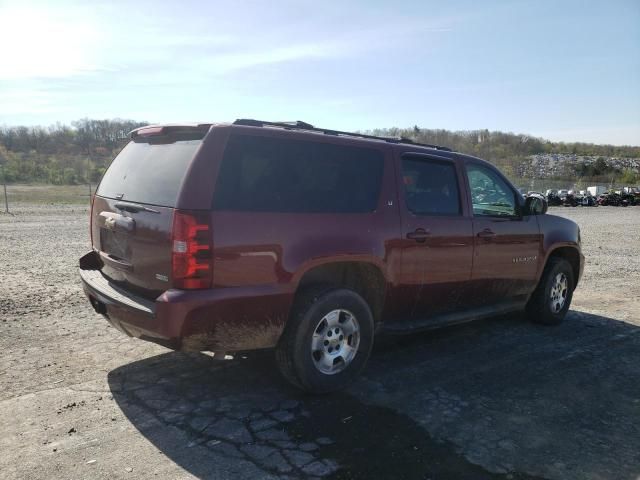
134 207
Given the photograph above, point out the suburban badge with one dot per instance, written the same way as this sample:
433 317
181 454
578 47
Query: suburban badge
531 258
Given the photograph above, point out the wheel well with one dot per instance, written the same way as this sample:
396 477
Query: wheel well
364 278
571 255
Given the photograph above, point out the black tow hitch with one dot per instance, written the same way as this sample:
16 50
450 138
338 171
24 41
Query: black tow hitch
98 306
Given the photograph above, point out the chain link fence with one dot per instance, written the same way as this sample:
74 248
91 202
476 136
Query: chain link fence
13 195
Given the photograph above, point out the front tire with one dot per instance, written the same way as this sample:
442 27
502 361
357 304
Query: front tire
327 341
551 300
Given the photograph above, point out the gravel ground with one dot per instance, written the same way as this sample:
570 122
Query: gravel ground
495 399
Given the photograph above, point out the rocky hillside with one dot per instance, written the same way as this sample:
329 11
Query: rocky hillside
560 165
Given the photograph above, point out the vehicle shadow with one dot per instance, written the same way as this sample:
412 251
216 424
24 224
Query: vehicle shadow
500 398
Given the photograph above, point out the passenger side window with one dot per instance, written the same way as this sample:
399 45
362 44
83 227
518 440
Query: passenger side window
266 174
490 194
430 186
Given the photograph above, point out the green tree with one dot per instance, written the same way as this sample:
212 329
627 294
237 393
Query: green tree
629 177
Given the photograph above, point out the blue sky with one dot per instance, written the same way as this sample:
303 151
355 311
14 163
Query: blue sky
565 70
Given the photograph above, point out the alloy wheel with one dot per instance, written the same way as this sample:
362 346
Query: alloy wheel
559 291
335 341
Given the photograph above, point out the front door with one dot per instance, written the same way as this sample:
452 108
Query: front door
437 241
507 244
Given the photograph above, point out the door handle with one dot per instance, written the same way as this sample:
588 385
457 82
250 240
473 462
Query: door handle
486 233
419 235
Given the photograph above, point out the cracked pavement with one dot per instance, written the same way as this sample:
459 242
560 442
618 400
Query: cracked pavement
498 399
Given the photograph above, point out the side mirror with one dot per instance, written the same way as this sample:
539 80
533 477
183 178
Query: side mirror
535 204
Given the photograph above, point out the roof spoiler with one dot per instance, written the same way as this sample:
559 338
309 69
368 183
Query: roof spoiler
164 130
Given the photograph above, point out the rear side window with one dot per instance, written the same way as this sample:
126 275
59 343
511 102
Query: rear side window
431 186
261 174
149 173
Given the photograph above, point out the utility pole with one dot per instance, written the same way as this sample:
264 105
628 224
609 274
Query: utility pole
6 201
4 185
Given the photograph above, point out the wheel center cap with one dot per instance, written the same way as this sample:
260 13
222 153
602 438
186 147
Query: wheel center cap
335 337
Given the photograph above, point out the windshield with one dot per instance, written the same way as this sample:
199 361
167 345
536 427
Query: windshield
149 173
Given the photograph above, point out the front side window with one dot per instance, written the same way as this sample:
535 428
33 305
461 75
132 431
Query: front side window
490 194
430 186
263 174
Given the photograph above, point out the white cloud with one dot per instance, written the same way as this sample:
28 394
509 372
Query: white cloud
339 45
40 42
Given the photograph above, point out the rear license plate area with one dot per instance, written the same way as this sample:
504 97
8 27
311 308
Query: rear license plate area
114 244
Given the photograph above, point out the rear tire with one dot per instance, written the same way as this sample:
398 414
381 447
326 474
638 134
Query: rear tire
551 300
327 341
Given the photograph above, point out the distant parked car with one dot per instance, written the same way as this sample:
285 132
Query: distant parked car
569 200
586 200
632 195
612 199
596 190
553 199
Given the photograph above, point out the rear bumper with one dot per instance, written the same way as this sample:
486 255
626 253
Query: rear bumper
132 315
225 319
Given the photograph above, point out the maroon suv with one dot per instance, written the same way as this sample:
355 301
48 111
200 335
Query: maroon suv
258 235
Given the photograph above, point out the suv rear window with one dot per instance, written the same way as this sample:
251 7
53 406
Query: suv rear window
149 173
281 175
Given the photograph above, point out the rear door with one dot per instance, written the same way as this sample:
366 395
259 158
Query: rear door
437 244
132 213
507 244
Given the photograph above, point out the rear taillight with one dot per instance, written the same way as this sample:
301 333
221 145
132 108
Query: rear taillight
191 250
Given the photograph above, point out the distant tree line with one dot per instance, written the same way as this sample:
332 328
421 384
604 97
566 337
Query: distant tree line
62 154
80 153
491 145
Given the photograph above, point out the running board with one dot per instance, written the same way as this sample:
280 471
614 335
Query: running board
401 327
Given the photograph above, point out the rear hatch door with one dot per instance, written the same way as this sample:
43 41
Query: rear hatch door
132 214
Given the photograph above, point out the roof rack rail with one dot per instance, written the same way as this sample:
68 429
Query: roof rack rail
300 125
